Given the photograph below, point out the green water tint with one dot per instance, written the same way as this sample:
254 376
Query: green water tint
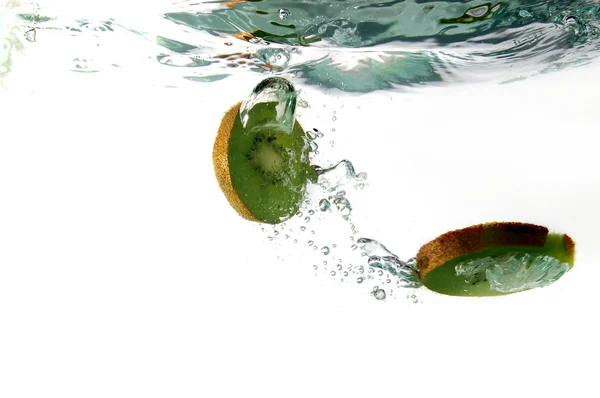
502 270
268 163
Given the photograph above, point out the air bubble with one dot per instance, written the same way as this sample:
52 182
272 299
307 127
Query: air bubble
30 35
332 273
310 242
325 250
324 205
307 219
378 293
303 228
284 13
339 267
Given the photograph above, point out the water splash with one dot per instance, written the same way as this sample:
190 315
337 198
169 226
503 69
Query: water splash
346 45
381 258
342 174
513 272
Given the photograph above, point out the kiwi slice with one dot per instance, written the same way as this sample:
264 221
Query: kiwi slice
494 259
262 167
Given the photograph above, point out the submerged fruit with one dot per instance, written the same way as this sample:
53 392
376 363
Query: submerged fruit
494 259
260 154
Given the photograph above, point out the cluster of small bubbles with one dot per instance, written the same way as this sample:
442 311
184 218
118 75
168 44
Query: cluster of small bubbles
324 205
325 250
284 13
378 293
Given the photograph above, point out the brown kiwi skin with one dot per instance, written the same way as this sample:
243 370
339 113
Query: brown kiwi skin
221 163
476 238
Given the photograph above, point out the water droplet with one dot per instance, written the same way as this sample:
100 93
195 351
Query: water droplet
379 294
360 279
284 13
30 35
325 250
324 205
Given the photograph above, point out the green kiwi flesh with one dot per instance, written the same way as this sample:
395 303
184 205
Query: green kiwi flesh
444 279
268 165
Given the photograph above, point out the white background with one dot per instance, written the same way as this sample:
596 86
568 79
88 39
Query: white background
124 273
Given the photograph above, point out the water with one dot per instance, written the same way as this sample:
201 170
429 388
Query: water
356 46
513 272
